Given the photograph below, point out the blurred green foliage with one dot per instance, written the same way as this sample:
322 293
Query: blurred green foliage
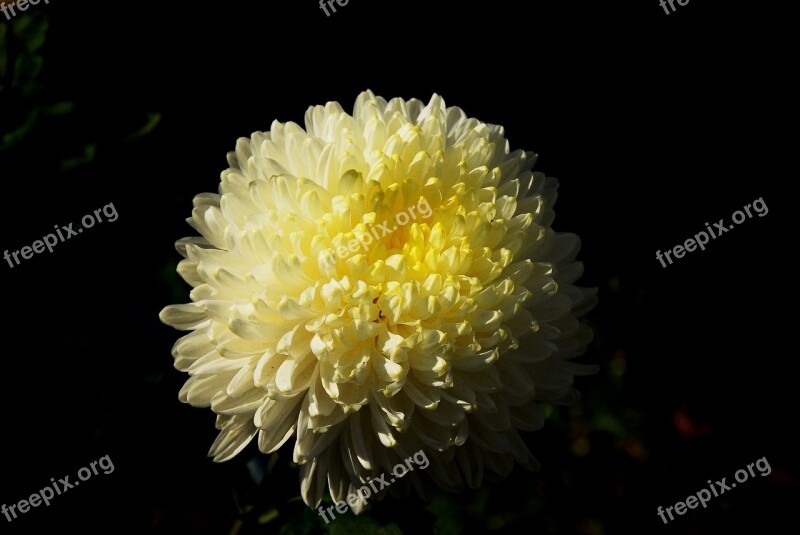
21 64
31 111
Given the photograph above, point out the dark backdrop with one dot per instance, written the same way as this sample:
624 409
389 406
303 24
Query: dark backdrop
654 124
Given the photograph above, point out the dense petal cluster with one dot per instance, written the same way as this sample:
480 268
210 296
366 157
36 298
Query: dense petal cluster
440 335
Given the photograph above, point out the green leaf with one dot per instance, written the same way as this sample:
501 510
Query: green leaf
88 155
3 50
350 524
448 515
26 70
269 516
31 30
152 121
273 460
13 137
59 108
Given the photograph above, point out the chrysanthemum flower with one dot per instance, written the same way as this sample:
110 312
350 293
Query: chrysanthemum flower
440 335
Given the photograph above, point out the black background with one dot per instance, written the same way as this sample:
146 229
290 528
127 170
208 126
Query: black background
654 123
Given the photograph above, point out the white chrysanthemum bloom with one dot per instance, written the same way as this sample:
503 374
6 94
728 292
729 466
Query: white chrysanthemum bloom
439 335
